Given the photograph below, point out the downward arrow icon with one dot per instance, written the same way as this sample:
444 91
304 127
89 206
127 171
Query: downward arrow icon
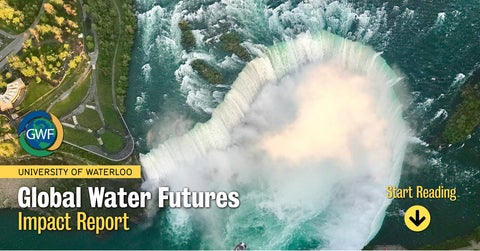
417 220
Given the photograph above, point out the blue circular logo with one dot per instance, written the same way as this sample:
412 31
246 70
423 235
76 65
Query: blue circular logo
40 133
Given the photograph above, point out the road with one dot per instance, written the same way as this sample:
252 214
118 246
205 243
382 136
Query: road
16 45
12 48
6 34
92 95
128 139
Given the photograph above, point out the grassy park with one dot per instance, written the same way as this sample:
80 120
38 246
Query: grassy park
79 137
74 99
54 64
112 142
89 118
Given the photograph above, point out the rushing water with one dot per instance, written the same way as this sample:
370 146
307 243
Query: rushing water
308 153
432 45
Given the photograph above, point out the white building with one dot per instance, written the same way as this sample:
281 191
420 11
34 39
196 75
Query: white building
12 94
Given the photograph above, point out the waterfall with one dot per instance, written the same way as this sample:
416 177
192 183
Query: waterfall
309 134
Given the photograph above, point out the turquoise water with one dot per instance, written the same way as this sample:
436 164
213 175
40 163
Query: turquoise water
292 198
435 45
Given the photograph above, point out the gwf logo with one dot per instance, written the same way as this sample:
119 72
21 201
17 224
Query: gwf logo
37 134
40 133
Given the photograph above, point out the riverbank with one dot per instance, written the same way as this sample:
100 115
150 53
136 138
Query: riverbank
9 190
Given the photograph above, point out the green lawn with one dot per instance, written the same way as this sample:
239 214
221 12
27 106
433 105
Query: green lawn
73 100
112 142
5 42
90 119
34 92
78 137
112 33
67 83
106 104
73 154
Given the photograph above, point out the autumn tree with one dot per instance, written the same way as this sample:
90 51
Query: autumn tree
59 20
49 8
70 10
10 15
28 72
16 63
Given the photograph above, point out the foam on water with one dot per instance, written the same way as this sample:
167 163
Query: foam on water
310 134
440 18
161 35
441 113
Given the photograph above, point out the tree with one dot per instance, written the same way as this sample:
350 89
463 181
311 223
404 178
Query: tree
187 39
27 44
10 15
57 2
3 85
35 34
17 21
49 8
90 45
28 72
16 63
51 58
231 43
72 64
86 8
77 58
72 24
70 11
60 20
63 55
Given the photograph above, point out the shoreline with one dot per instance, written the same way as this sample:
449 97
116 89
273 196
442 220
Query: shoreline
9 190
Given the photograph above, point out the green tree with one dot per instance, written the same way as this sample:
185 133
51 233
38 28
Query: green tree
188 39
90 46
57 2
207 71
231 43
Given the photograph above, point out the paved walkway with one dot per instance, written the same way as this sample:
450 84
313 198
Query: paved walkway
6 34
92 96
16 45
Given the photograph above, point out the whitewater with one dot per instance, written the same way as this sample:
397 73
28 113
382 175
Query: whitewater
309 134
